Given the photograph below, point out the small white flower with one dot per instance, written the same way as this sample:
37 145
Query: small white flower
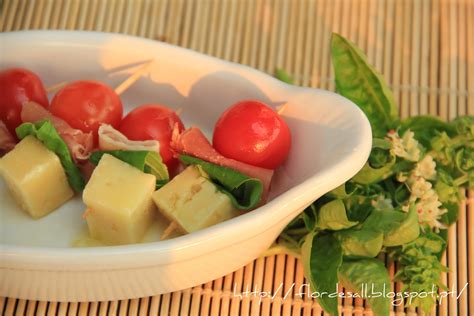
420 189
426 202
429 212
382 203
426 168
406 146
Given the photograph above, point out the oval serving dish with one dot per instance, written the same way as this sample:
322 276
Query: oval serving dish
331 142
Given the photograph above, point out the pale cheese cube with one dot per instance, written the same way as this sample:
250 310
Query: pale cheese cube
119 200
193 201
35 177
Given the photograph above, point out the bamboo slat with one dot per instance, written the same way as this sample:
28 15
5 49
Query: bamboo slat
424 48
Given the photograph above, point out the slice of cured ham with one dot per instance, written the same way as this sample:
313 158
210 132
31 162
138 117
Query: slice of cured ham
80 144
194 143
7 141
112 139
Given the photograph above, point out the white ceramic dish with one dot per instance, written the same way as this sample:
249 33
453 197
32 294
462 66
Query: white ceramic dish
331 142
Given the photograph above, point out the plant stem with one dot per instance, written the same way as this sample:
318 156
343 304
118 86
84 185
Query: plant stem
461 180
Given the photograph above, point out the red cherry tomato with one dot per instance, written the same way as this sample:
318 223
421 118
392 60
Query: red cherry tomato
254 133
17 86
86 104
153 121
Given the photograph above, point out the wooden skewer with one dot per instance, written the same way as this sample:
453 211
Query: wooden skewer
282 108
133 78
56 87
179 111
86 212
169 230
120 88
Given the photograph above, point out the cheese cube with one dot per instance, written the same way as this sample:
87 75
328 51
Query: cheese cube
119 200
193 201
35 177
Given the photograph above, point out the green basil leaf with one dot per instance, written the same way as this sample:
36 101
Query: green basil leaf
384 221
145 161
310 217
360 242
361 83
452 214
47 134
368 277
380 164
408 230
432 243
425 127
322 257
443 149
358 207
464 125
333 216
464 160
281 75
244 192
446 188
343 191
401 194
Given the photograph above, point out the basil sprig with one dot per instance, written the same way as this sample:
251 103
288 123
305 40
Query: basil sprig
340 236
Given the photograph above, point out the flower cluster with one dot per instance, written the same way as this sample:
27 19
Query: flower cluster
406 147
422 194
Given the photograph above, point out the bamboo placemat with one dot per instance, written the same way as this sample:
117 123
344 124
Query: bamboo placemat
425 49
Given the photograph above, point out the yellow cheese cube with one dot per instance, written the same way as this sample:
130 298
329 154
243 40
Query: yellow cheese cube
119 200
35 177
193 201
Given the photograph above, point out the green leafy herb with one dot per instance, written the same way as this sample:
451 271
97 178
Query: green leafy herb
344 190
408 231
380 164
47 134
420 268
425 128
368 277
360 242
322 257
146 161
244 192
281 75
362 84
416 165
384 221
333 216
452 214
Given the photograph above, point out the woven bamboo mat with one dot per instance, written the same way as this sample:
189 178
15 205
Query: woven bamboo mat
425 49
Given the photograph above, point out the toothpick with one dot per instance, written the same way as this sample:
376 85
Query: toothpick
121 87
55 88
169 230
86 213
282 108
133 78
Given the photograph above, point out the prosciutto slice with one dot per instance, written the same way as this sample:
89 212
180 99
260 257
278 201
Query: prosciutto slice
80 144
193 142
112 139
7 141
